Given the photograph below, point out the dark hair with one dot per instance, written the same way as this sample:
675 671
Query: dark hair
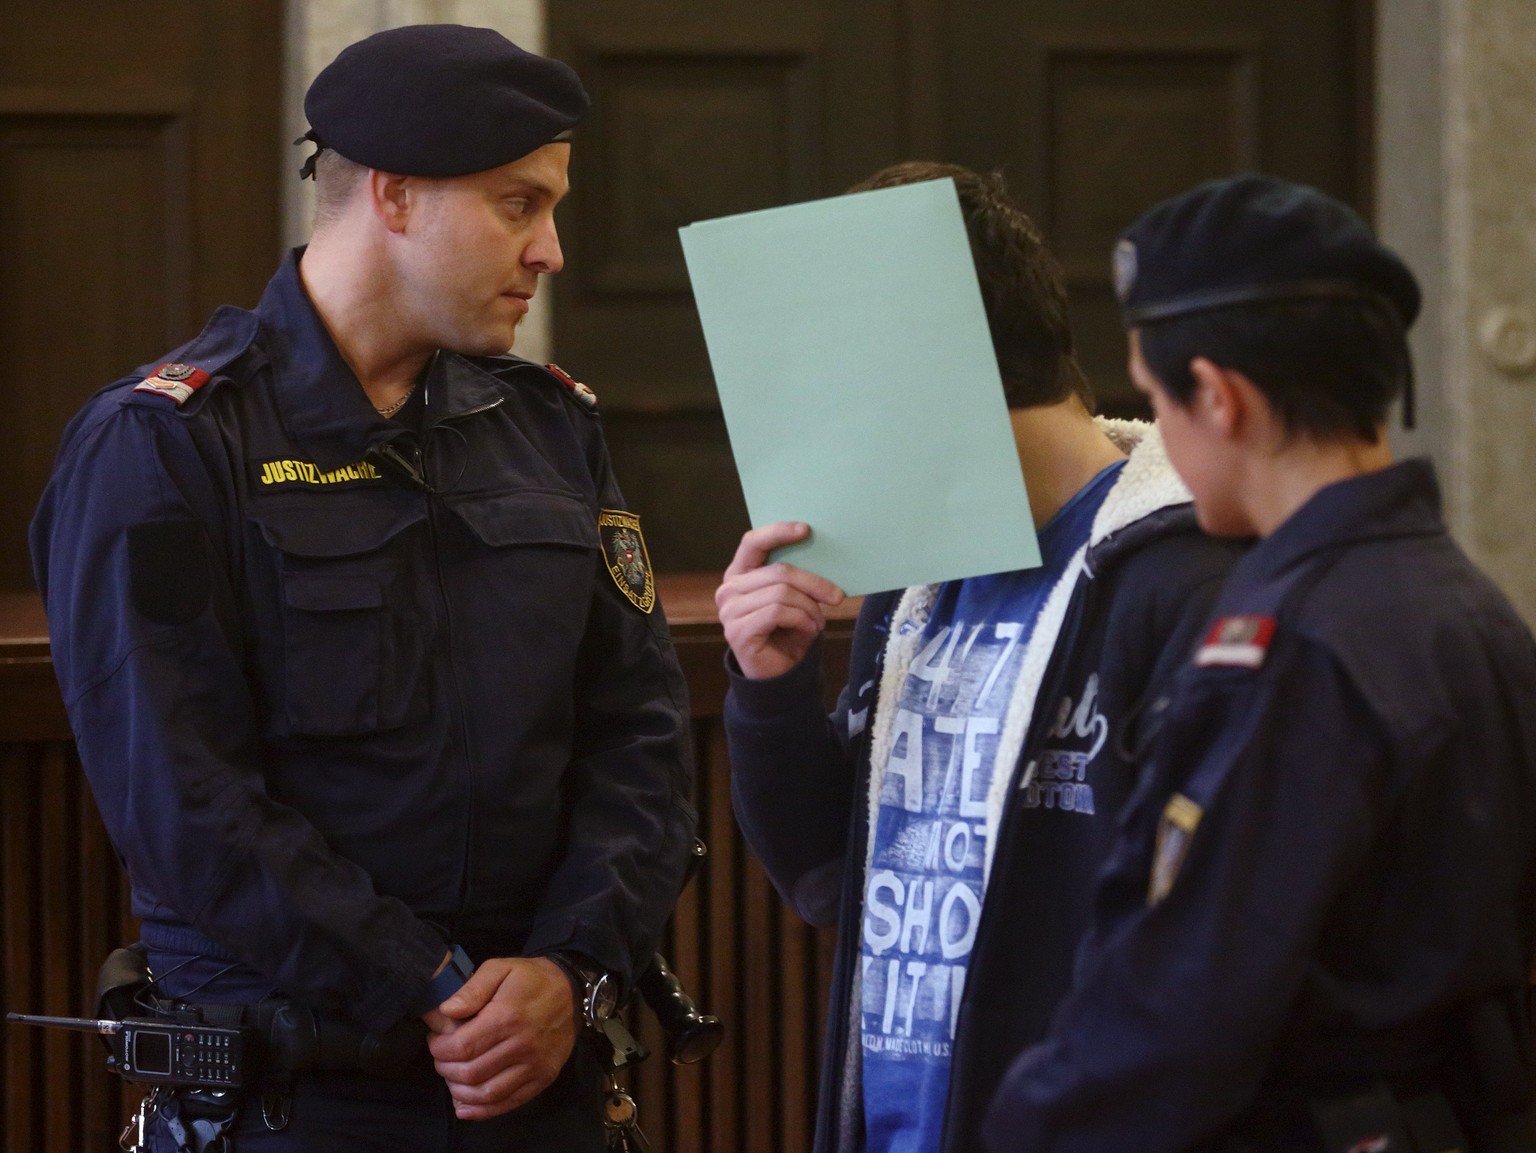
1021 285
336 178
1330 368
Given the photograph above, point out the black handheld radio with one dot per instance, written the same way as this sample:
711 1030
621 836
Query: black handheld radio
164 1052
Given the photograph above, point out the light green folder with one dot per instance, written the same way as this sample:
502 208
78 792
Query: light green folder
860 390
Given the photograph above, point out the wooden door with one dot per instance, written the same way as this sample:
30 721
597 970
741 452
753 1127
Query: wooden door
139 149
1093 109
702 109
1097 109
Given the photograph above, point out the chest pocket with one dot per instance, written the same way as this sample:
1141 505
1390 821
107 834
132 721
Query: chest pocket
550 519
356 630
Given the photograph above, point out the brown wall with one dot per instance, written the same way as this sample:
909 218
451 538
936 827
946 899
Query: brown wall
138 191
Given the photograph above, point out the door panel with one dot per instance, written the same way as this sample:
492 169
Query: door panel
138 190
701 110
1096 109
1092 109
138 170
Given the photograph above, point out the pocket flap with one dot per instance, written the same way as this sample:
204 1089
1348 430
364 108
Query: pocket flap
528 518
332 592
335 526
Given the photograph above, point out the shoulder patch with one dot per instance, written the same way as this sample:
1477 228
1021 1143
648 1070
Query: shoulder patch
202 360
175 380
1236 642
580 391
1181 816
625 557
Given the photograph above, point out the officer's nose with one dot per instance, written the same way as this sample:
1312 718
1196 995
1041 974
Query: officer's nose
543 252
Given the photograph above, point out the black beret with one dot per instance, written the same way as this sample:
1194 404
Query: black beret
1253 238
440 100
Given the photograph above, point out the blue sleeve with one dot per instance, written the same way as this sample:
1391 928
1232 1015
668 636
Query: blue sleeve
1178 1004
794 778
130 546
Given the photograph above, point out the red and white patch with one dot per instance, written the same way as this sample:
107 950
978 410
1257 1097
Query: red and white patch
177 381
1237 642
580 391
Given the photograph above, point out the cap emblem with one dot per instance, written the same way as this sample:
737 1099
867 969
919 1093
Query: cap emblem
1124 267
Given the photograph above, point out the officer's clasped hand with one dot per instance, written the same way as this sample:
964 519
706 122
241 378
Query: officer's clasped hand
504 1037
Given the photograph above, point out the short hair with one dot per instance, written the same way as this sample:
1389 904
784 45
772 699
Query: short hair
1022 287
336 179
1329 367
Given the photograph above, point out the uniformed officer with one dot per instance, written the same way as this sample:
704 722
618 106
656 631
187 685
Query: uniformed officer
1316 930
360 643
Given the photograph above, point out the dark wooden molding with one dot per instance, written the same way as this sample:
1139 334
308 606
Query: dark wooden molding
30 708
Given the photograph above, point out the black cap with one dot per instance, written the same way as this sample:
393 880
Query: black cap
440 100
1253 238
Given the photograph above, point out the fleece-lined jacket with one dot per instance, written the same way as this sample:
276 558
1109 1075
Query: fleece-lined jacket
1128 608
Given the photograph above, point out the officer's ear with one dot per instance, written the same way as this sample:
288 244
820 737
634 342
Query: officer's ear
1224 400
392 196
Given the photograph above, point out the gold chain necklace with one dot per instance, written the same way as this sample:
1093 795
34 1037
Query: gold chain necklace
391 409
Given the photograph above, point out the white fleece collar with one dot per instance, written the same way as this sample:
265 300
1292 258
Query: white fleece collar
1146 484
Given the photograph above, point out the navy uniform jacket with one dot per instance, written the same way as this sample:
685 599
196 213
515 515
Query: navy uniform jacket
333 720
1332 849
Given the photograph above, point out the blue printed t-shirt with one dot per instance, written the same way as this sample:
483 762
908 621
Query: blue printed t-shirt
922 898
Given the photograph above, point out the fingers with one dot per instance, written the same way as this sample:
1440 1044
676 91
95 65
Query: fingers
749 569
771 613
757 543
476 993
483 1103
758 598
508 1075
511 1047
439 1022
790 622
531 1003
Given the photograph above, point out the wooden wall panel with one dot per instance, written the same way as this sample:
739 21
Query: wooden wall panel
139 148
65 908
1096 109
655 115
85 235
701 111
1121 124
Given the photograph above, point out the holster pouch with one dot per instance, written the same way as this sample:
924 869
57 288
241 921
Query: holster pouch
300 1040
121 982
290 1037
200 1120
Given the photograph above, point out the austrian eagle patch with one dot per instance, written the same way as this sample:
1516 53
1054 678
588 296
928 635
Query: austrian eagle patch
625 557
